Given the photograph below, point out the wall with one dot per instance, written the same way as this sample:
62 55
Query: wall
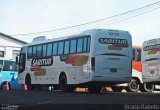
8 46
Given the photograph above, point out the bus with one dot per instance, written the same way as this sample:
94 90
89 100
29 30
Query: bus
8 73
92 59
150 62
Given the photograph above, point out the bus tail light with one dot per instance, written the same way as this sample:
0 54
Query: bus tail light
93 63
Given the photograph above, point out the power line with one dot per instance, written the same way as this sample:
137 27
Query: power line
107 23
100 20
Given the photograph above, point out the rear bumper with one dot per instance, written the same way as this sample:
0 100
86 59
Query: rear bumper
115 79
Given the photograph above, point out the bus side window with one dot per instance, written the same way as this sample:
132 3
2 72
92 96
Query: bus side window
29 53
134 57
34 51
88 44
44 50
85 44
39 50
66 47
54 49
49 49
73 46
60 47
79 45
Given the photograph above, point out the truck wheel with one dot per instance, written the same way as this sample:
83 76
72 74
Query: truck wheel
133 86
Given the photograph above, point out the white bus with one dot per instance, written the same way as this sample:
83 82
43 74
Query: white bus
91 59
151 62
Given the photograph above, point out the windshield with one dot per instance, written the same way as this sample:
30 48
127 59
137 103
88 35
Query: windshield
1 64
9 66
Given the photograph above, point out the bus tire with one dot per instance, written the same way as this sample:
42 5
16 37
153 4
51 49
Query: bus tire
63 82
28 82
147 87
63 86
134 85
95 89
116 89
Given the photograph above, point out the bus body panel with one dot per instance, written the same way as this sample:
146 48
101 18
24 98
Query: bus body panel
151 71
75 67
151 60
112 68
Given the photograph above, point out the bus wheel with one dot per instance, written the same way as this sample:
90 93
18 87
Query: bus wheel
133 86
63 83
94 88
116 89
147 87
28 82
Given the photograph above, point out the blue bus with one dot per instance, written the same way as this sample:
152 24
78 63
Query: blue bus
8 72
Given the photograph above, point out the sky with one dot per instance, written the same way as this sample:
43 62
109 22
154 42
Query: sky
31 16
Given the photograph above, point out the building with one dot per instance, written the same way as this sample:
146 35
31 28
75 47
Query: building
9 46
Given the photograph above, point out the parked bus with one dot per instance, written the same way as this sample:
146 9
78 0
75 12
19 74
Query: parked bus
8 72
151 62
92 59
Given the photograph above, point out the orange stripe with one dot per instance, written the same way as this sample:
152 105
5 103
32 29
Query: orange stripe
137 66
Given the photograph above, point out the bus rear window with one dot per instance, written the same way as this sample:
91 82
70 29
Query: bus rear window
9 66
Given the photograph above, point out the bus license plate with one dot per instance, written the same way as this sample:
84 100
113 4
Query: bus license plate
113 70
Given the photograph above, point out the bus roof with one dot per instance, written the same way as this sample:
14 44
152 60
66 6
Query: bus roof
84 33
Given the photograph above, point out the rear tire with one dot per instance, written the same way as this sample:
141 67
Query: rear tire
63 83
63 86
147 87
28 82
133 86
